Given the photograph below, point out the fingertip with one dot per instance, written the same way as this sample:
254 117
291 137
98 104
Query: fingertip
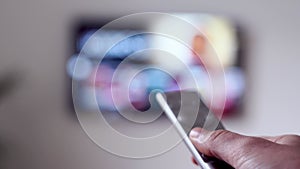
199 135
195 133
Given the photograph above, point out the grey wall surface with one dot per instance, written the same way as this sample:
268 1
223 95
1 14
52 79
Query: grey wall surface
37 129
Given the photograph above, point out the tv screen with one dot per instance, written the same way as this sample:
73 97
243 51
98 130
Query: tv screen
145 60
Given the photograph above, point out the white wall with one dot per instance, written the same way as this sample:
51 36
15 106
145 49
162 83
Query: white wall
36 126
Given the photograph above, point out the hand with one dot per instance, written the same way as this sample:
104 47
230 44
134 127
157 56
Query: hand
244 152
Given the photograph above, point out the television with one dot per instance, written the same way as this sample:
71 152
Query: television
118 66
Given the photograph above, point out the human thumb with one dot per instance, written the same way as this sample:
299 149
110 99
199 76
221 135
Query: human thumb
233 148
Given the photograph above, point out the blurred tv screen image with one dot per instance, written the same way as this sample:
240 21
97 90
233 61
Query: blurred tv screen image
92 85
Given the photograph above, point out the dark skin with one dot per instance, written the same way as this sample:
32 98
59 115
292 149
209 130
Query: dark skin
244 152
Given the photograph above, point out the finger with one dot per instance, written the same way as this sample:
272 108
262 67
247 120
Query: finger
233 148
292 140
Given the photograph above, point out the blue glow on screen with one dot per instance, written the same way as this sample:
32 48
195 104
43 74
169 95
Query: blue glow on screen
98 43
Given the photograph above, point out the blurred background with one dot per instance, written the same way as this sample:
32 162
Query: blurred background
38 39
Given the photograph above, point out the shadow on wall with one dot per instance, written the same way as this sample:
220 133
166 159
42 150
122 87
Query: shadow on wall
8 83
3 152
